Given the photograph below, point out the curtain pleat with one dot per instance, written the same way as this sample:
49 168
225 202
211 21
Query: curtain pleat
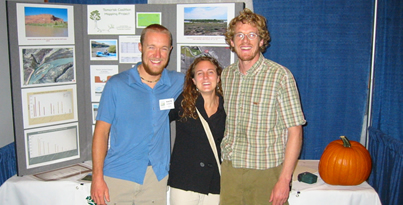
385 135
8 165
387 169
388 87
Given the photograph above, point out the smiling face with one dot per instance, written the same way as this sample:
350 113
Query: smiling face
206 77
155 51
246 49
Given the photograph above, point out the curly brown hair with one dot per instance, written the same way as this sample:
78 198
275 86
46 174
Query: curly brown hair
190 93
248 17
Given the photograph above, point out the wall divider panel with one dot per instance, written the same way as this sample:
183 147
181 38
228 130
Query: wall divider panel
61 56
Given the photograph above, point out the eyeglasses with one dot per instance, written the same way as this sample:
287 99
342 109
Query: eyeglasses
250 35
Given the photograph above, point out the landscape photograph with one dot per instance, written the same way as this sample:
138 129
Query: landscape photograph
46 22
103 49
205 21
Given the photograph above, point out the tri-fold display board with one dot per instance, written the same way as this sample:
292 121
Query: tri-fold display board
61 56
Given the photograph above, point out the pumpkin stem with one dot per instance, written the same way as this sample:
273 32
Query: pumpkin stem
346 142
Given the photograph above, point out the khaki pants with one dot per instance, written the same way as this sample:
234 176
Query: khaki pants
241 186
182 197
152 192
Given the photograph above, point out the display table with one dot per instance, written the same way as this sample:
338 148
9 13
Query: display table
29 190
321 193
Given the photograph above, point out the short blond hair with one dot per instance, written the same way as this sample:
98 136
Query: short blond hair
155 28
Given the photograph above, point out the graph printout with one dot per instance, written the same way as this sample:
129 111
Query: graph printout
51 145
49 105
129 49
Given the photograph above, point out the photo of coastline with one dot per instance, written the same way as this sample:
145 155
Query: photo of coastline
205 21
45 65
46 22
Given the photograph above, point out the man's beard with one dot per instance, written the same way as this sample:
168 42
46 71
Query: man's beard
154 72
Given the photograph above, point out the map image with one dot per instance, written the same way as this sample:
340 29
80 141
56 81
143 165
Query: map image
48 65
189 53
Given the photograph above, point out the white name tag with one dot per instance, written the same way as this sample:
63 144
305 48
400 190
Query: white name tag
167 104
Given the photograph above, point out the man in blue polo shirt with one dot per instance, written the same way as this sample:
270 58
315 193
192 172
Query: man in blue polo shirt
133 113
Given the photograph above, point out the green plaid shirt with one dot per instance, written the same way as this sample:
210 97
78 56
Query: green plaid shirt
260 106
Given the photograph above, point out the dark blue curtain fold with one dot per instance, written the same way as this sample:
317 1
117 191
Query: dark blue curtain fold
387 113
8 164
327 46
386 138
387 168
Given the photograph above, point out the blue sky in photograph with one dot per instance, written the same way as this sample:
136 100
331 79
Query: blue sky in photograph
111 42
57 12
217 12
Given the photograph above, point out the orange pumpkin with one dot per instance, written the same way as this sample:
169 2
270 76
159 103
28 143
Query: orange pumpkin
345 162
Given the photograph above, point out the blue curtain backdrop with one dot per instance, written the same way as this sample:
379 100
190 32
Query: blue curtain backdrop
387 114
8 162
386 138
327 46
387 167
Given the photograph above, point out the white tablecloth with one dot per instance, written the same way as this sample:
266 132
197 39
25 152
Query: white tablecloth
29 190
321 193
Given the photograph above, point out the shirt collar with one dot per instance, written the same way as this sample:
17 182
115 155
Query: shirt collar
255 67
134 76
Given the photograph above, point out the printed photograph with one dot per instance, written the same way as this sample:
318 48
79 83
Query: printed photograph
190 52
103 49
205 21
46 22
94 112
47 65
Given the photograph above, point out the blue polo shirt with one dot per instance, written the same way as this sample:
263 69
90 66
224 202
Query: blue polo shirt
140 132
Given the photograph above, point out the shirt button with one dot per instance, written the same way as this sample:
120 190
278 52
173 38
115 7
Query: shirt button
201 164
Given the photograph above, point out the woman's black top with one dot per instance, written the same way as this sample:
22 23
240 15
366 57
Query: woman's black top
193 166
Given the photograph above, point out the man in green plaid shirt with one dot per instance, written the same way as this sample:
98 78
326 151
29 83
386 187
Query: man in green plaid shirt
263 133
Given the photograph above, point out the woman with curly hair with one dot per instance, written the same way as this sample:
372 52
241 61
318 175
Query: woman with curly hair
194 176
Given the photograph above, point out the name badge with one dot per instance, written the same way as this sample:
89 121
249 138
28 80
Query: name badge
167 104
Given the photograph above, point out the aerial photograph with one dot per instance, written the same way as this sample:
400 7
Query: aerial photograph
48 65
189 53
